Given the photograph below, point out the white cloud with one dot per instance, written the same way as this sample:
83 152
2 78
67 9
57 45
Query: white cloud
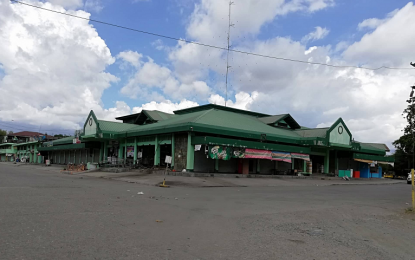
150 75
93 5
166 106
243 100
54 66
390 44
371 23
70 4
318 34
130 57
374 23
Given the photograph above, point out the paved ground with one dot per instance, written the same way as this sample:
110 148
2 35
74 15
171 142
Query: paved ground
49 215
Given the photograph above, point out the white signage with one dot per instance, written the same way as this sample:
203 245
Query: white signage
168 159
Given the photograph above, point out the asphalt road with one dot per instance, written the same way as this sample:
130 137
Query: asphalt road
47 215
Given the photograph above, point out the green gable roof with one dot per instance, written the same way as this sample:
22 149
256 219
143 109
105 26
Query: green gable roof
212 106
218 121
316 132
108 126
271 119
157 115
65 140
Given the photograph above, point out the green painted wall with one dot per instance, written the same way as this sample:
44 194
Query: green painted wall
339 138
91 126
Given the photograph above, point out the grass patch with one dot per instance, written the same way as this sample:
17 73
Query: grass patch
409 211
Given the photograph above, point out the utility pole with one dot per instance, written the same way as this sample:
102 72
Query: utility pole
413 147
227 54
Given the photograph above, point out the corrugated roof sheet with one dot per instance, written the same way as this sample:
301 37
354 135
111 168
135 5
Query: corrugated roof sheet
158 115
65 140
316 132
221 119
213 106
109 126
271 119
374 146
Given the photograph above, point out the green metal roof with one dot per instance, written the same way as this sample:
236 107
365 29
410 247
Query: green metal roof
20 144
65 140
157 115
316 132
4 144
108 126
271 119
219 122
374 146
212 106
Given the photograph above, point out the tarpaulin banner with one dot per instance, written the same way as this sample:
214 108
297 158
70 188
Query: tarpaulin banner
238 153
220 152
301 156
280 156
258 154
130 151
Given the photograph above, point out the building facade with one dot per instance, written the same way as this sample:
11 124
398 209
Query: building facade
214 138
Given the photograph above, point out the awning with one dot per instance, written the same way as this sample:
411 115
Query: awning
281 156
62 147
301 156
376 162
364 161
258 154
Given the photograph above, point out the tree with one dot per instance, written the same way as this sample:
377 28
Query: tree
10 133
3 132
405 144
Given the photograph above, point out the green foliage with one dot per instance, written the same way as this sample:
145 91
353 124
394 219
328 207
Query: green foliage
405 144
3 132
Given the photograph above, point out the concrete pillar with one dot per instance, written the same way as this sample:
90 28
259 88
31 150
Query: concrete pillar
35 154
156 152
172 150
292 163
125 150
245 166
64 157
120 154
305 166
135 150
216 165
105 151
258 166
101 152
190 153
336 160
326 162
74 157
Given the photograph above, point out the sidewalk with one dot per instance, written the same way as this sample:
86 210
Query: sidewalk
182 181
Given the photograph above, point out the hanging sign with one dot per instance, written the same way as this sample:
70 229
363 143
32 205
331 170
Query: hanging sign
238 153
301 156
258 154
281 156
220 152
130 151
168 159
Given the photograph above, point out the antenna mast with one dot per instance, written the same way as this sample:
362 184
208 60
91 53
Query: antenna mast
227 54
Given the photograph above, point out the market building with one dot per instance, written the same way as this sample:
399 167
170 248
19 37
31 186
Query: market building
7 152
213 138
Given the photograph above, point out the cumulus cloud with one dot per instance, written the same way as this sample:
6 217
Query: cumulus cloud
390 44
150 76
54 66
318 34
166 106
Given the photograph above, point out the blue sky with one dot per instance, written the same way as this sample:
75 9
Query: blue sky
55 69
171 19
